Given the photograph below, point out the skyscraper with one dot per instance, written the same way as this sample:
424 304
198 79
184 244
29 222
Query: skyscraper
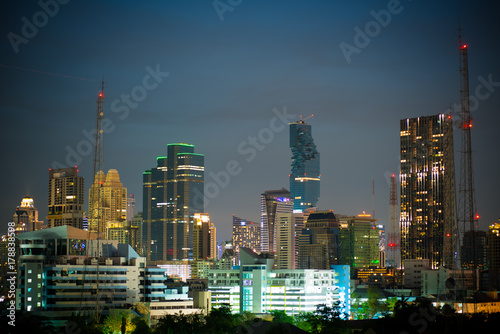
172 194
246 234
273 202
112 200
427 190
305 174
359 239
318 244
26 216
65 198
204 237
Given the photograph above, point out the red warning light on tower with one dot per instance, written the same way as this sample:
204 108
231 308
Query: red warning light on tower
100 94
477 216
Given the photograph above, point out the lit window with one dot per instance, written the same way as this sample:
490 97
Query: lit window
29 299
29 280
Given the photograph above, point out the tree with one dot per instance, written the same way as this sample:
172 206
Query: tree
118 321
181 323
326 320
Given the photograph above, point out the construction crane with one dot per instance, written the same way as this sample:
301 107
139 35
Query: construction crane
305 119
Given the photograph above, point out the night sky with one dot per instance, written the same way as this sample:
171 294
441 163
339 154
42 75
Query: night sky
216 78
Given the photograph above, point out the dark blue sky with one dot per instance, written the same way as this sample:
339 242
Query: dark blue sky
225 78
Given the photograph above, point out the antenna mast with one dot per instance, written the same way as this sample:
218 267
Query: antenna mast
98 183
467 214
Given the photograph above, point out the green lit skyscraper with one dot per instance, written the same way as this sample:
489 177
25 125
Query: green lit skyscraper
305 175
170 201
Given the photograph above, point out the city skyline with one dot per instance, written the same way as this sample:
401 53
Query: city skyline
219 83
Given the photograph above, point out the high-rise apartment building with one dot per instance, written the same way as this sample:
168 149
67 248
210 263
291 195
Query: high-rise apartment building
273 202
110 204
305 173
172 194
427 184
66 196
246 234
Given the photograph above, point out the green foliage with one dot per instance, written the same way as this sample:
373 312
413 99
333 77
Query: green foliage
141 326
181 323
282 317
326 320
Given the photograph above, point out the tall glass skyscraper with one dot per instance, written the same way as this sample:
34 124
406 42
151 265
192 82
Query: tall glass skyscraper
172 194
305 175
427 176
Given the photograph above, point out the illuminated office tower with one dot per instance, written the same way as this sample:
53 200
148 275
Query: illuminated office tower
246 234
272 202
359 238
26 216
112 198
65 198
305 175
427 195
172 194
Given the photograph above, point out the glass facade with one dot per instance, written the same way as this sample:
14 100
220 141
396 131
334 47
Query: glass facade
172 194
427 181
305 173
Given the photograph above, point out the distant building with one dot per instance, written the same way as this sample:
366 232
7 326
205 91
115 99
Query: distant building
273 203
130 207
494 247
285 235
255 287
172 194
107 201
204 238
26 216
359 239
475 250
427 181
445 282
319 241
66 196
413 272
246 234
305 172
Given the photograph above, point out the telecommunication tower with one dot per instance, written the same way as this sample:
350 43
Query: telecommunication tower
467 215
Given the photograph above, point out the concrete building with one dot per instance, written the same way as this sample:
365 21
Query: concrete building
413 272
65 271
66 196
257 288
444 281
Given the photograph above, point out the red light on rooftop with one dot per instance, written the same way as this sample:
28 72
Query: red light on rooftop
447 234
449 117
100 94
393 175
477 216
470 125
